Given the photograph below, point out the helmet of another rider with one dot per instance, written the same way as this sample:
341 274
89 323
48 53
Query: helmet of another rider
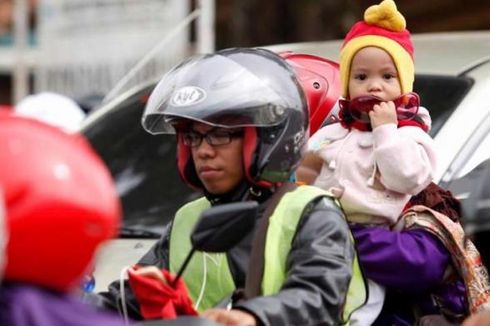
60 202
320 80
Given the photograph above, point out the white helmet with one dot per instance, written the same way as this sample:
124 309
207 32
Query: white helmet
54 109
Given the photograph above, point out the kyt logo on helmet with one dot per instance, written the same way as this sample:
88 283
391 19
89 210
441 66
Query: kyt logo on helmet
188 95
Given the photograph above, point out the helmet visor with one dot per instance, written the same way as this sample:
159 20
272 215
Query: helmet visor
237 89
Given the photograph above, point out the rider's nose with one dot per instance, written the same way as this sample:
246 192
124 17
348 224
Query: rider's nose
204 149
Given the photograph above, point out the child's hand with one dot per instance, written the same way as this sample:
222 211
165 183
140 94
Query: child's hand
309 169
382 114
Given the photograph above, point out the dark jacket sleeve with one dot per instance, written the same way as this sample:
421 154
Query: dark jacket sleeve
411 260
319 269
112 299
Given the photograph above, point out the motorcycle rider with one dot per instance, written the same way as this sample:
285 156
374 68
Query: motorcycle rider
241 121
60 205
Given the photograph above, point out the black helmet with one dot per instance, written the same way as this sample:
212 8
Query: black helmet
240 87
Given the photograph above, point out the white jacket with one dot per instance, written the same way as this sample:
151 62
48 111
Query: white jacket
374 174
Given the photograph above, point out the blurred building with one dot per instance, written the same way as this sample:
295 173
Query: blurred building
7 53
255 22
258 23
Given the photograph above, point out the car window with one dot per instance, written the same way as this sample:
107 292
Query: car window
143 166
481 154
465 169
440 95
475 151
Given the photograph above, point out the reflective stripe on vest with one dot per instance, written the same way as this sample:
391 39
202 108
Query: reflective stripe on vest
280 233
206 269
207 275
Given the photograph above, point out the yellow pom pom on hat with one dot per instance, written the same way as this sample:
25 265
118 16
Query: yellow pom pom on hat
383 27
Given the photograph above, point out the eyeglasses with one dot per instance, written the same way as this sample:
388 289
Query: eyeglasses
214 137
407 106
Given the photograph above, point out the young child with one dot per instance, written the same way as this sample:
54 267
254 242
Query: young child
380 154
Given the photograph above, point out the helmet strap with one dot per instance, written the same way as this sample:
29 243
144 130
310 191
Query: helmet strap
250 153
185 164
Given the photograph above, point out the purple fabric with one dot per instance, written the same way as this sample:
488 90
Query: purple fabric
411 265
410 261
24 305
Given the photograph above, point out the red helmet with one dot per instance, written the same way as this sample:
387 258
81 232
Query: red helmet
3 236
60 200
320 80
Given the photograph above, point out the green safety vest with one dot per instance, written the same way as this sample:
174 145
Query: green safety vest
208 277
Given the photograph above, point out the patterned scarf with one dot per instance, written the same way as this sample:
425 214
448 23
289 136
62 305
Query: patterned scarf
465 257
348 122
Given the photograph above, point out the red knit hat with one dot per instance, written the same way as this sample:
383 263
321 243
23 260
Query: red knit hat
383 27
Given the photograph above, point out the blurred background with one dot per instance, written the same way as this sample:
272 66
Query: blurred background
83 48
58 57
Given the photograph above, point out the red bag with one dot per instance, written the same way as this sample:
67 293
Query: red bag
158 299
